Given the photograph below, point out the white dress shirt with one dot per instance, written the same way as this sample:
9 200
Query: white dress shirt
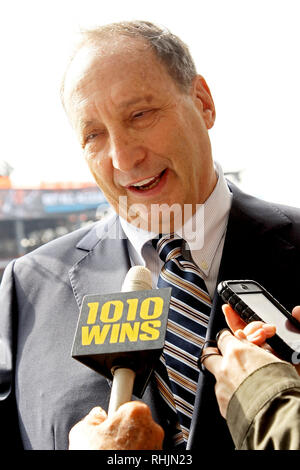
208 257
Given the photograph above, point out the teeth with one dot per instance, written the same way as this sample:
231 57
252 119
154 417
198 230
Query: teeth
144 182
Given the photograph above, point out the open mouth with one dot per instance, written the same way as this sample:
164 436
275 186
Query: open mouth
148 183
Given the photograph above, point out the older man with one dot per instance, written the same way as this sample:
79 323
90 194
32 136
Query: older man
142 115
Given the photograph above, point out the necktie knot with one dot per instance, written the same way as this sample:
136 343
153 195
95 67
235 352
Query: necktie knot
168 247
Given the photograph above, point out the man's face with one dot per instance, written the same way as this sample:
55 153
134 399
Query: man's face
142 136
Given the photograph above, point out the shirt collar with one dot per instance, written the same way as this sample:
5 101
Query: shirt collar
214 214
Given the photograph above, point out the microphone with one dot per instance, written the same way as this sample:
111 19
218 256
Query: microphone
121 335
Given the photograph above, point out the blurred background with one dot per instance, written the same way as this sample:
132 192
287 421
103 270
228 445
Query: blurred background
248 52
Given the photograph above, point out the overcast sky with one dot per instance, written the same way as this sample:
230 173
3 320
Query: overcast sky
247 50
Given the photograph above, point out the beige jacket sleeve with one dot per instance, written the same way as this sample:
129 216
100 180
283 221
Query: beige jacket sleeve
264 412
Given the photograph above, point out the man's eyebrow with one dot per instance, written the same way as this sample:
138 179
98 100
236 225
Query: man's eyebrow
135 100
85 124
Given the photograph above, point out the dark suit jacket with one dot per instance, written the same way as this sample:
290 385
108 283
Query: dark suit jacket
44 392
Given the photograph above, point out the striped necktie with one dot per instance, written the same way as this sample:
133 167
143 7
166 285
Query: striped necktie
190 307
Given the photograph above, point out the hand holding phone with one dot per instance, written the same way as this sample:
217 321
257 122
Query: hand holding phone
252 302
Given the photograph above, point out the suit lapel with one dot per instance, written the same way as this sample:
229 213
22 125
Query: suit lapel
105 263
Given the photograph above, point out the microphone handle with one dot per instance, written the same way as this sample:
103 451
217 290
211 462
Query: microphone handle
122 386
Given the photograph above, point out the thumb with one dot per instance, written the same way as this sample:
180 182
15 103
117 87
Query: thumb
233 319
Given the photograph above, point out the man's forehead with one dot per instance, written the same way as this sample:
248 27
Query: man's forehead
126 82
94 56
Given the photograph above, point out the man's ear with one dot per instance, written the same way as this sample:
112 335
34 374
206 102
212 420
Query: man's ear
204 101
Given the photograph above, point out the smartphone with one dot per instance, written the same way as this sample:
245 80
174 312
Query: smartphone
252 302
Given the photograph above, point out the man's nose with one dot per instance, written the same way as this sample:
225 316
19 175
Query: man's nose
126 152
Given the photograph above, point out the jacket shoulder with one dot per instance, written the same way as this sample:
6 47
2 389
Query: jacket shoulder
67 249
266 216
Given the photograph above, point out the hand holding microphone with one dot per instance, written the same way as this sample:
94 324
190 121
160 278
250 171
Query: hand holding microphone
131 427
121 336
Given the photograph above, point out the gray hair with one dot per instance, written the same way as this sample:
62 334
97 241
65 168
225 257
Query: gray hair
172 52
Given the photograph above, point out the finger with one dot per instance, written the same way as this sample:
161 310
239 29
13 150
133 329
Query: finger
270 330
224 339
213 359
233 320
239 334
133 408
258 337
253 327
96 416
296 312
262 334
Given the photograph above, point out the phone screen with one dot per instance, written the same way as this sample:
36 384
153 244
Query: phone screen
264 308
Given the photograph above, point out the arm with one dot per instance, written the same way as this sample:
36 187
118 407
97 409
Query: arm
256 392
264 412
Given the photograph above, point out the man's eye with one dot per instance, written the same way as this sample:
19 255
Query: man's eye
94 135
145 118
91 136
141 114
